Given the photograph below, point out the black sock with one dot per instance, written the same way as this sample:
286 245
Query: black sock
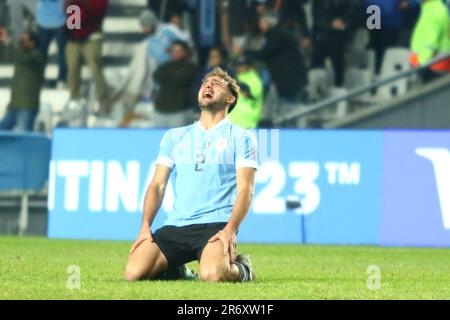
244 272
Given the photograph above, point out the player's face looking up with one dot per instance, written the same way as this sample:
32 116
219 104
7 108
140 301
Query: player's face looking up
214 94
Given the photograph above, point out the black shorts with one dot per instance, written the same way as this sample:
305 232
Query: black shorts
181 245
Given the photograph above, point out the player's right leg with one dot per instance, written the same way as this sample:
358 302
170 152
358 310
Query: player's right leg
145 262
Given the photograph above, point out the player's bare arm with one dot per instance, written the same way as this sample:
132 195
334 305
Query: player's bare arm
152 202
245 178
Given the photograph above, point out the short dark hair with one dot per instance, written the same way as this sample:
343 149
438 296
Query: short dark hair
231 84
183 44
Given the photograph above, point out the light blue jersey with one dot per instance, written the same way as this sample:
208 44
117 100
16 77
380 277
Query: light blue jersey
50 14
204 164
160 42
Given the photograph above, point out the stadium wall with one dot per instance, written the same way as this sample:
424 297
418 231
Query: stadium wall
356 187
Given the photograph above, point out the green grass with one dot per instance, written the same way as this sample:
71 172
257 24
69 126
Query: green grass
36 268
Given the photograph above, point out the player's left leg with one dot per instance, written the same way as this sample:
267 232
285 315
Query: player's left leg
215 266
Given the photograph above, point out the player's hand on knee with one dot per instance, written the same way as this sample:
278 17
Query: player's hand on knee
144 234
229 241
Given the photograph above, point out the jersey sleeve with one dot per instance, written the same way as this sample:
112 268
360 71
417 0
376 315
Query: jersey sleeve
165 155
246 150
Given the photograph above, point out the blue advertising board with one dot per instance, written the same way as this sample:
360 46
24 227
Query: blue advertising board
355 186
416 189
348 181
97 182
24 161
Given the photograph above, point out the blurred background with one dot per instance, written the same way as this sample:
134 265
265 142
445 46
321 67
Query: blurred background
81 65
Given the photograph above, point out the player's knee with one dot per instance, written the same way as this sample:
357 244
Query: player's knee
212 275
132 274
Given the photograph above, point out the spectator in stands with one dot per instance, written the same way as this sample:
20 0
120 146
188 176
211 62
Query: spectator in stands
164 9
162 36
410 16
26 83
284 60
138 84
210 26
248 110
292 18
51 19
392 22
218 57
86 43
245 15
253 38
334 21
431 38
21 14
174 98
244 31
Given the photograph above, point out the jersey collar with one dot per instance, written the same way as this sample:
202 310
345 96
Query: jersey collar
218 125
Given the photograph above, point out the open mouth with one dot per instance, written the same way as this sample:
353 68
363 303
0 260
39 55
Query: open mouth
208 95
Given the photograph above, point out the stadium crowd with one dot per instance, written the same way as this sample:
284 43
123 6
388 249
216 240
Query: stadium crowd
268 45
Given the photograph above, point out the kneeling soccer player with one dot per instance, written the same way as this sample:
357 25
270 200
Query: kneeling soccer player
213 164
